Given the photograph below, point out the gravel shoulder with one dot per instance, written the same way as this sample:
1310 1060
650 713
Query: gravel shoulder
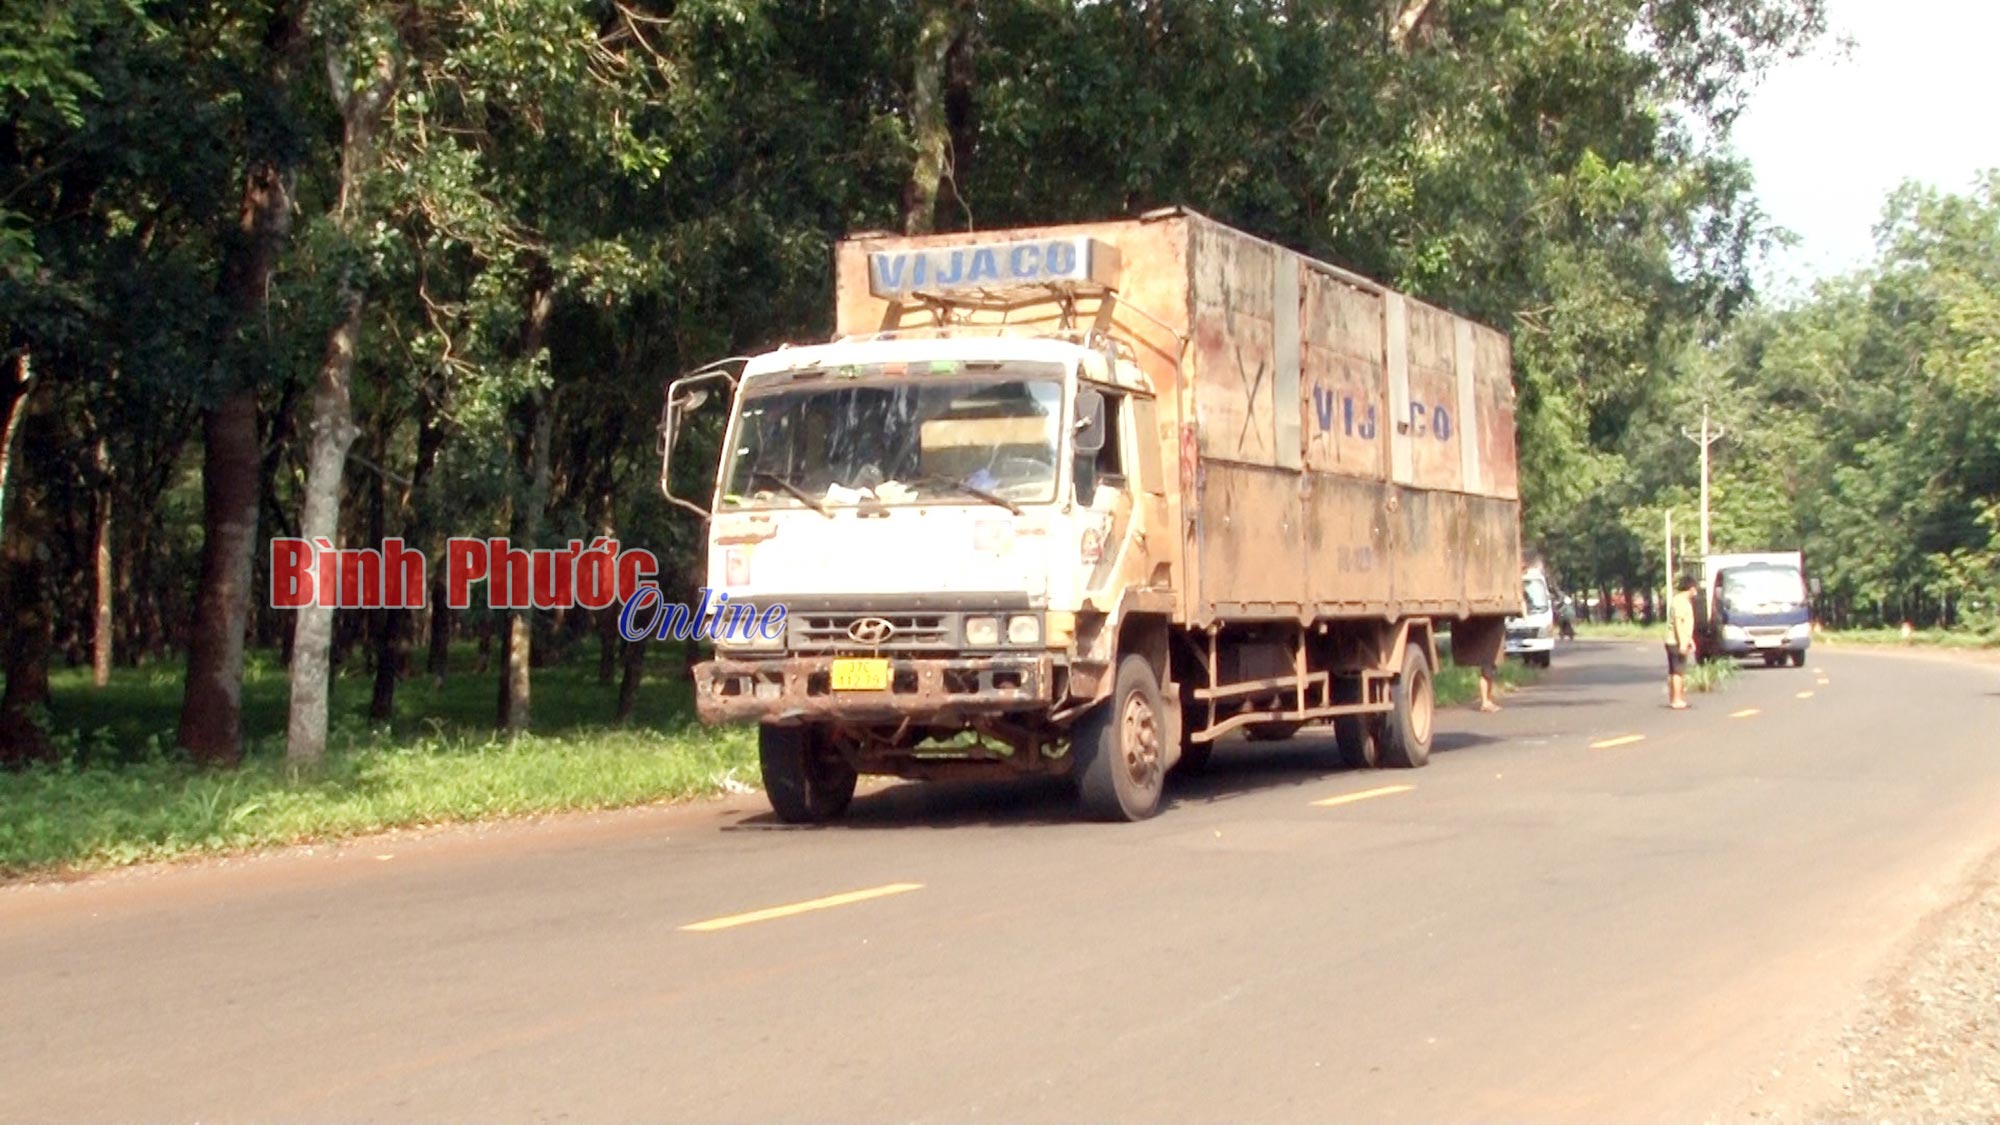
1926 1046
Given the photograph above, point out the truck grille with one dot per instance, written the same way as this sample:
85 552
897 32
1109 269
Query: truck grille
906 632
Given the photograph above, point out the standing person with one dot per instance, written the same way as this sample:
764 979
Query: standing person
1680 642
1486 692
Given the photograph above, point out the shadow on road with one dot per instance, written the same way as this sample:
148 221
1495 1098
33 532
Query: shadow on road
1238 769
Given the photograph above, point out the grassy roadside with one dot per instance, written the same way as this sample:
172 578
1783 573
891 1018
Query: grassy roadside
1456 684
1933 638
121 795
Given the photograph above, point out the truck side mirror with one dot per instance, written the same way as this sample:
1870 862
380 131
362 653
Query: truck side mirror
684 396
1089 423
1814 584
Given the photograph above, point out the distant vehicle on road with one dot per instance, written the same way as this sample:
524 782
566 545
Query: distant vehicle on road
1754 605
1532 635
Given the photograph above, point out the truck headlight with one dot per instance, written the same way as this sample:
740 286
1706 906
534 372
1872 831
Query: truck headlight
1799 632
1735 633
1024 629
982 632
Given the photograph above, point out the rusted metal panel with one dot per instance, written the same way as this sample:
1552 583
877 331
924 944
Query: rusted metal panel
1286 346
1250 538
1493 554
1235 345
1343 397
1432 424
1348 548
1468 407
1396 357
1493 374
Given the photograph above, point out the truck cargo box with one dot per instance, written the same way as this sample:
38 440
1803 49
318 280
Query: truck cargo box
1344 450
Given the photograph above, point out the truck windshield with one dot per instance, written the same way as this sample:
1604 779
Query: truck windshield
1750 587
1536 593
823 439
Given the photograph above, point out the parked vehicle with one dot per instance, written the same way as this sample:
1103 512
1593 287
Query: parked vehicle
1755 605
1084 500
1532 635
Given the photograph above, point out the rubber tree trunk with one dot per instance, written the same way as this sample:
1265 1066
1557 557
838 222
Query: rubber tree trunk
29 626
421 506
13 408
211 700
211 728
101 617
628 684
330 432
516 673
940 23
390 622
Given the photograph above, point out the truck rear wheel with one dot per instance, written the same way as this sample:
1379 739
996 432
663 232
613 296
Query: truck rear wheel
805 778
1118 747
1355 736
1406 731
1798 659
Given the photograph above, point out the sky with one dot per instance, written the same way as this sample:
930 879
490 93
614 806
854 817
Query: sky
1911 97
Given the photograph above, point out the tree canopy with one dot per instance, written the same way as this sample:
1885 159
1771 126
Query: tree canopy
470 240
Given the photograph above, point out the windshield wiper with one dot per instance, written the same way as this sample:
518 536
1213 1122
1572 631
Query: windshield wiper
972 490
797 493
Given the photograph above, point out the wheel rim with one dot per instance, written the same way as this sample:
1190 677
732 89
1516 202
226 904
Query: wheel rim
1139 740
1420 705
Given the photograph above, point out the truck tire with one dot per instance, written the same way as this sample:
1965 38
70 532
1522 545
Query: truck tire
805 778
1355 736
1538 659
1406 731
1798 660
1118 747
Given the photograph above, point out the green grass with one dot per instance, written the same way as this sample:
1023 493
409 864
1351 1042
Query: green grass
1711 675
1456 684
120 796
1937 638
1621 631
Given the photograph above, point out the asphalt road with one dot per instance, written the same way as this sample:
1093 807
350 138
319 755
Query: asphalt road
1667 927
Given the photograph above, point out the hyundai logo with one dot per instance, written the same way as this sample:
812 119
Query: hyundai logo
871 631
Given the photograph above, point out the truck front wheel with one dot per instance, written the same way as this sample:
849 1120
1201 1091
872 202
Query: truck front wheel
806 779
1406 731
1118 747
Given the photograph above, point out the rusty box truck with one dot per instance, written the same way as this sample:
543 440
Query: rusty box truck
1084 500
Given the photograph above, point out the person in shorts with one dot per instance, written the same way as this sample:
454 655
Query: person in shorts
1680 642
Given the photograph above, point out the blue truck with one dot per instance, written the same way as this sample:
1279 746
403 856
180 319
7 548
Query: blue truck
1754 605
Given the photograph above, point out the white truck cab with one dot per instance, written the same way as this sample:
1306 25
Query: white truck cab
1532 636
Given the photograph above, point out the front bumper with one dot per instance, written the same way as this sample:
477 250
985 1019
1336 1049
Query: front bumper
795 689
1516 646
1762 645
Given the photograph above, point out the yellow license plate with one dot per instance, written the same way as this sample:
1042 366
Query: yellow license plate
861 675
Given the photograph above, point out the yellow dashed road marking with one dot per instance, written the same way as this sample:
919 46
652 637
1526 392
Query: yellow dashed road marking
1745 713
1805 695
1621 740
1364 795
768 914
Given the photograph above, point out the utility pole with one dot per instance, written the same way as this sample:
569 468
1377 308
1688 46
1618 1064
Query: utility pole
1707 438
1670 552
